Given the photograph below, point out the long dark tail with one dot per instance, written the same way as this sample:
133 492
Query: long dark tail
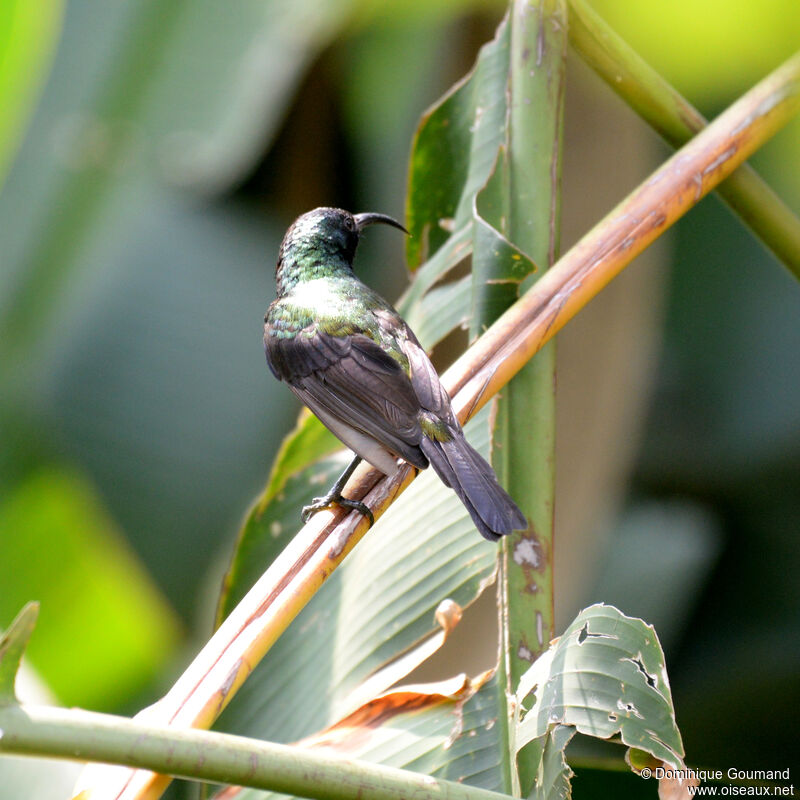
458 464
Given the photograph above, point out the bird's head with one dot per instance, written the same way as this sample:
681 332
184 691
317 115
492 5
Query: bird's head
329 232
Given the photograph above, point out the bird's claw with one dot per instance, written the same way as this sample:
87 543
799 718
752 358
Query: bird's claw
319 503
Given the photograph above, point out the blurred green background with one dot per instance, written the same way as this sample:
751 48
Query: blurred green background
151 156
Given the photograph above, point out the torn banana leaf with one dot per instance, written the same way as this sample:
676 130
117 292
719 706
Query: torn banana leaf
605 677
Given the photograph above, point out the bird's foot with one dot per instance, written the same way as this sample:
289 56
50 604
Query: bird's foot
334 498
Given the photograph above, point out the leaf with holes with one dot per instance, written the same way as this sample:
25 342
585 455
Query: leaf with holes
552 780
604 677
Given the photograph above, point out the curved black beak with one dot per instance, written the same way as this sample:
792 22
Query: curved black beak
362 220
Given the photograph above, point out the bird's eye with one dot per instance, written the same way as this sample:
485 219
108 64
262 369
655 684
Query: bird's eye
350 223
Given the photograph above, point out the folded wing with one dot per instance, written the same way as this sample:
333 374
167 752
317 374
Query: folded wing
353 386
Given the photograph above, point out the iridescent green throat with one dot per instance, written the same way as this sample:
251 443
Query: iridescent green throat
307 263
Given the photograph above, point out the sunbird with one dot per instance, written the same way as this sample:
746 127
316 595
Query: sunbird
352 359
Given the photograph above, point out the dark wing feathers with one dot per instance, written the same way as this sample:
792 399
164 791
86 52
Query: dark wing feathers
353 379
351 383
428 388
300 355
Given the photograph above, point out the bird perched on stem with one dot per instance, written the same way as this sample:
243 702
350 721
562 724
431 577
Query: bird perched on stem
350 357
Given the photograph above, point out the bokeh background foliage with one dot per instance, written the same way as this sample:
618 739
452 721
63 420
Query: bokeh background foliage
140 216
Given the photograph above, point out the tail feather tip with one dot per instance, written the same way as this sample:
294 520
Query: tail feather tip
460 466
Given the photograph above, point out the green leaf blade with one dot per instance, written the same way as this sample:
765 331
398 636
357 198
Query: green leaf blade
498 266
105 629
454 150
605 677
553 778
28 36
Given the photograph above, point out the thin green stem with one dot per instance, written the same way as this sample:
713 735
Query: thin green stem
677 121
215 757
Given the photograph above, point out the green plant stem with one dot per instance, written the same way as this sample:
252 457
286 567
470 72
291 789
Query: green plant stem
527 408
677 121
215 757
523 443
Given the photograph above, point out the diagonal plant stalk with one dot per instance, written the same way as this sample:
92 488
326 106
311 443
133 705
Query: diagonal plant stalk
677 120
216 757
600 255
485 368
